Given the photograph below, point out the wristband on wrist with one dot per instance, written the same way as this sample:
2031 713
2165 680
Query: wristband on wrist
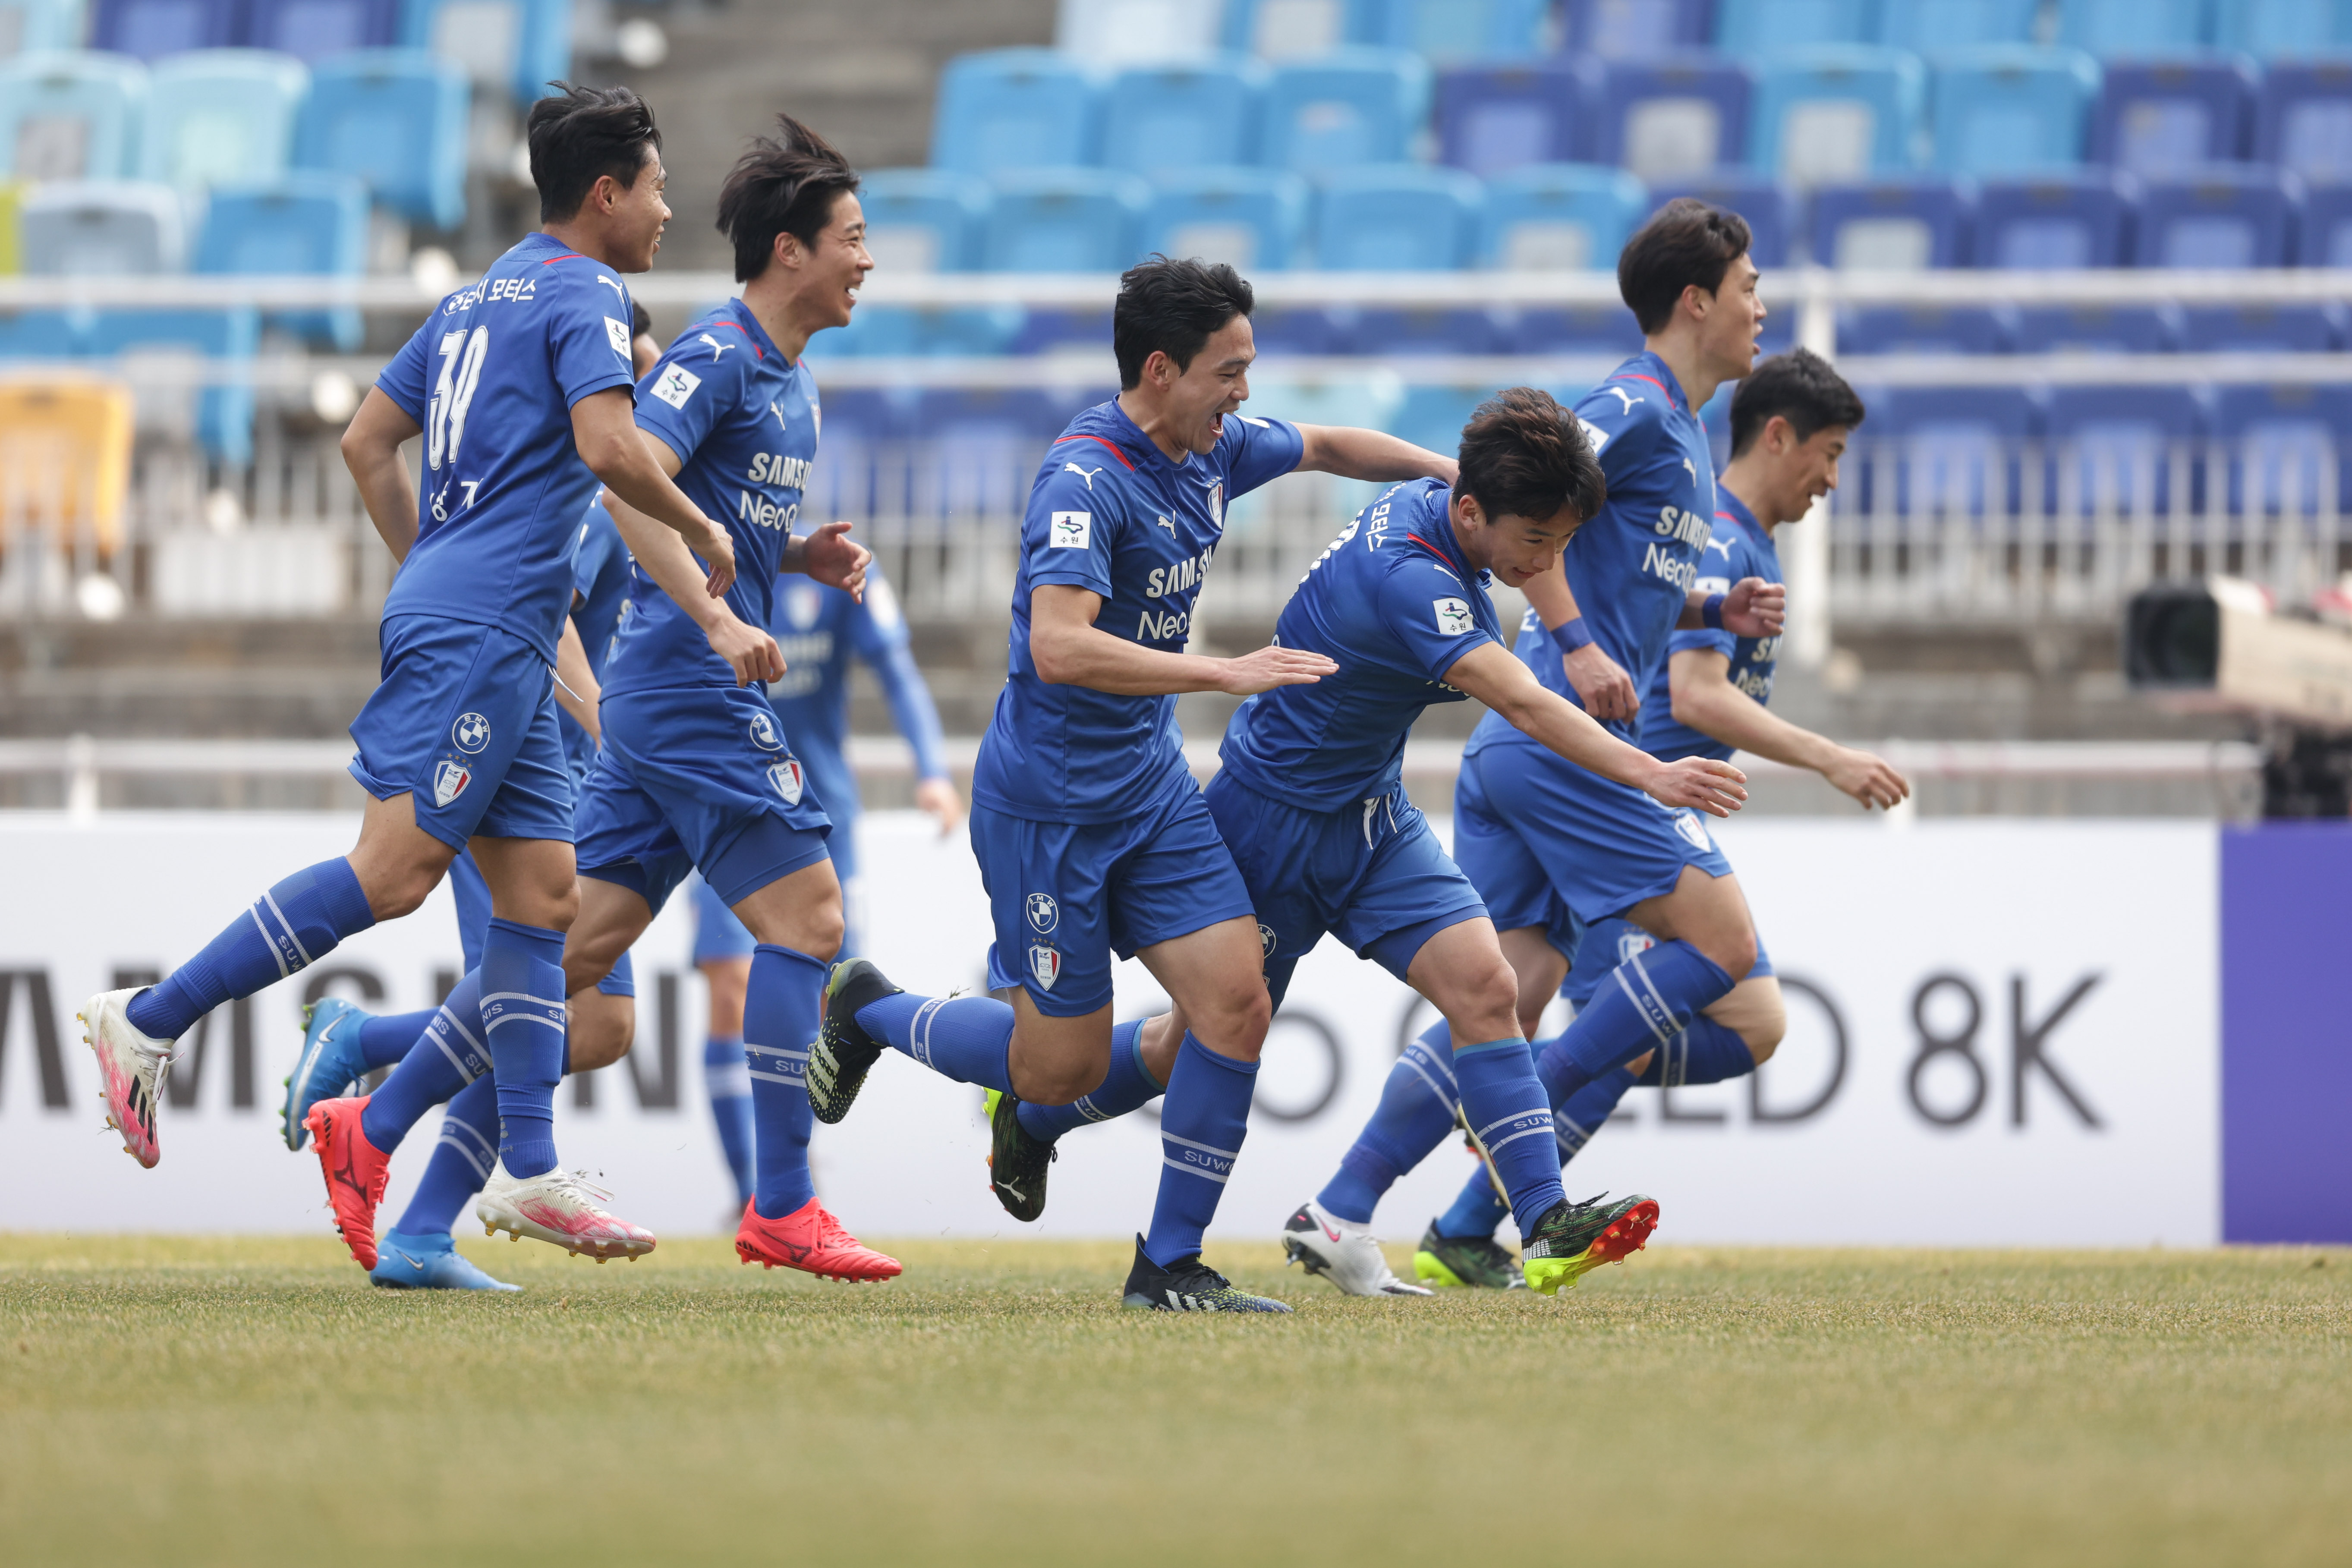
1570 635
1711 612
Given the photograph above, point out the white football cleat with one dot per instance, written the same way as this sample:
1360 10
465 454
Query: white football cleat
1347 1254
132 1067
558 1209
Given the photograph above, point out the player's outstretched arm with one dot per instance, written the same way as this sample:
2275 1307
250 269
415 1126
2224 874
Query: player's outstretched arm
1068 650
575 683
1372 455
829 556
1705 699
750 651
370 446
639 469
1491 675
1599 681
1752 609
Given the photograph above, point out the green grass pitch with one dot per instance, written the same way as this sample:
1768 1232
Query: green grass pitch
251 1400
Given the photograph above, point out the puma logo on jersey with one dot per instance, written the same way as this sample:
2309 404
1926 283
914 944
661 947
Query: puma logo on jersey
1621 396
1691 470
616 287
1162 522
718 348
780 416
1086 474
1722 544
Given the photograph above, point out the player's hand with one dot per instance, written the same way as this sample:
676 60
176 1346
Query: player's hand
1754 608
1601 683
831 557
716 548
1871 780
752 653
1271 667
939 797
1716 788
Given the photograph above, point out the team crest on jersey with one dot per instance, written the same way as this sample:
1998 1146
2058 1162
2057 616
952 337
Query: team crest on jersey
1044 914
450 782
1044 965
788 779
675 384
471 733
1217 504
1071 530
1265 938
764 733
619 333
1694 831
803 600
1454 616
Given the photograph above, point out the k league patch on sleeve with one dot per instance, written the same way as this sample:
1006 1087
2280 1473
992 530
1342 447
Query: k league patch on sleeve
1454 616
1071 530
675 384
1592 433
619 332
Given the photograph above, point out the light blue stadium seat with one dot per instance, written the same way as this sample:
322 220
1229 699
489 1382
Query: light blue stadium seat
511 46
1926 328
2098 329
1397 217
1433 416
1673 117
2288 448
922 220
311 30
2127 450
1062 220
1187 115
1762 200
27 25
219 115
1555 217
1454 30
224 413
303 223
2276 27
149 29
1835 111
2004 109
1294 29
98 228
70 114
1353 106
1926 25
2262 328
2227 216
1493 118
2302 118
1751 28
1629 29
2325 236
1249 218
1947 448
41 334
1015 108
2155 116
1892 225
395 118
2063 220
2134 27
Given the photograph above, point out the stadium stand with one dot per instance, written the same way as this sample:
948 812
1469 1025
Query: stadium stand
1289 30
103 227
1062 220
1629 29
1249 217
215 115
1397 217
1928 26
1013 110
1352 106
303 223
1451 30
515 46
1559 217
2003 109
1491 119
223 422
149 29
1926 329
2156 115
2054 221
1748 28
70 115
395 118
2302 118
2288 448
1161 118
1762 200
2220 215
311 30
2120 448
1836 113
26 26
922 220
2326 235
1892 225
65 457
2098 329
1677 117
1946 450
2283 28
2255 329
2132 27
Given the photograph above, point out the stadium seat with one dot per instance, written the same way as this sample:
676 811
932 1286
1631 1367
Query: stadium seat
2155 116
223 422
1763 201
1892 225
1491 119
397 118
1015 108
1596 329
511 47
1397 217
896 331
1062 220
103 227
305 223
2302 118
1947 448
1392 331
1351 107
1451 30
1291 29
1925 27
64 456
311 30
1065 333
2221 215
1252 218
2098 329
1926 329
40 334
218 115
1675 117
2323 238
2288 448
1301 329
2054 221
2007 109
149 29
1752 28
1630 29
1835 111
2268 29
2132 27
70 115
987 442
2121 448
27 25
1559 216
2262 328
922 220
1433 416
1156 119
1135 31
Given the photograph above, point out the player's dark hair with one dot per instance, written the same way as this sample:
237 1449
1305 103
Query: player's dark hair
641 321
784 183
580 135
1685 242
1173 306
1524 455
1800 387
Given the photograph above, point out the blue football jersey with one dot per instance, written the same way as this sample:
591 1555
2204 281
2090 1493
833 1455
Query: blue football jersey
491 376
1109 513
599 581
743 420
819 628
1739 547
1395 605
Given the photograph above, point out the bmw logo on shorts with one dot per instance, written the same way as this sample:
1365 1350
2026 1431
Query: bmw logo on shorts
471 733
764 733
1265 938
1042 915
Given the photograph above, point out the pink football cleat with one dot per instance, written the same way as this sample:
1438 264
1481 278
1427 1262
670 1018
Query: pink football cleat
558 1209
812 1240
356 1171
132 1067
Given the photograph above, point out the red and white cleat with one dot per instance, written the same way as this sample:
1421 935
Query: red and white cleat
559 1208
132 1067
356 1171
812 1240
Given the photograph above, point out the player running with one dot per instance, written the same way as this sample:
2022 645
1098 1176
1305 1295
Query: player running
459 746
1091 835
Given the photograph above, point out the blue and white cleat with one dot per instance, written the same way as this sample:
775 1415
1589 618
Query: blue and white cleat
427 1263
329 1063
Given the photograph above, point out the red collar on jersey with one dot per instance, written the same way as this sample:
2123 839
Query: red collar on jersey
1124 460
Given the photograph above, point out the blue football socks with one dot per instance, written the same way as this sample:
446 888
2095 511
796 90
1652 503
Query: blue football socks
290 927
1415 1113
463 1158
523 1025
385 1041
1476 1210
1127 1086
1582 1114
1200 1128
1643 1004
1506 1108
448 1054
729 1081
969 1038
1704 1052
780 1009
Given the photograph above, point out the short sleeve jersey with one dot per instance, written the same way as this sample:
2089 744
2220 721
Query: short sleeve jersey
819 628
1739 547
492 375
743 421
1109 512
1393 603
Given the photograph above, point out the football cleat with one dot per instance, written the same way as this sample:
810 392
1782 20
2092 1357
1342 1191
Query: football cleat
810 1240
1188 1285
559 1207
427 1263
329 1066
132 1067
356 1171
1453 1262
1572 1239
1016 1159
1344 1254
844 1051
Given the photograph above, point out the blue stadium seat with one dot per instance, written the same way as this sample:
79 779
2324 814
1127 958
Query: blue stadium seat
922 220
923 332
2121 448
149 29
397 118
2098 329
1252 218
1392 331
1451 30
2262 328
1675 117
2134 27
302 223
1433 416
1928 25
311 30
987 444
1494 118
2302 118
29 26
216 115
2054 221
1595 330
1065 332
70 115
40 334
2006 108
1397 217
1015 108
95 227
2155 116
1948 448
1629 29
1926 329
1186 115
2289 448
1892 225
1353 106
1763 201
1301 329
2279 27
2220 216
511 46
1752 28
1293 30
1835 111
2323 238
1554 216
224 413
1062 220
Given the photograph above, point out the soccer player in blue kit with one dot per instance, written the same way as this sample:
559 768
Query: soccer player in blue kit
522 386
1091 835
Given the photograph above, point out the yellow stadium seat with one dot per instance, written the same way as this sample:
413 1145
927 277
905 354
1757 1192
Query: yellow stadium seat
65 458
